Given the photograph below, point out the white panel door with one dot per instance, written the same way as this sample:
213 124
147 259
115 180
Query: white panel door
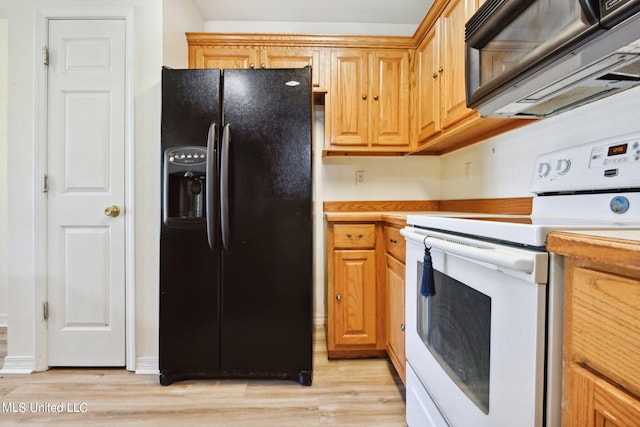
86 141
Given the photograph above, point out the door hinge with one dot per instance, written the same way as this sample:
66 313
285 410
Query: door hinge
45 183
45 311
45 55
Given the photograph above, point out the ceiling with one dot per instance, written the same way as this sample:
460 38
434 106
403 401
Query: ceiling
329 11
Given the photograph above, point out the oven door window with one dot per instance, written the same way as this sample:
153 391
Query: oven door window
455 326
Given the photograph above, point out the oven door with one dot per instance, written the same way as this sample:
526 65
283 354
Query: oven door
477 345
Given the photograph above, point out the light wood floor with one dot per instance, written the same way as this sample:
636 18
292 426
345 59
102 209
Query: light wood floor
344 393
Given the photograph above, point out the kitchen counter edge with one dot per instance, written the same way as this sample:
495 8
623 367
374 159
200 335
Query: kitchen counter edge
600 247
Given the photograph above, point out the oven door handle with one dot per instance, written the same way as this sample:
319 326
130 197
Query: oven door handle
519 262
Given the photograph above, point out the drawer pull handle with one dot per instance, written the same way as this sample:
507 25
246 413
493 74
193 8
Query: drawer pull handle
351 236
338 297
394 241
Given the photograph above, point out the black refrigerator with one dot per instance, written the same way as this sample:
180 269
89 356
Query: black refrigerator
236 231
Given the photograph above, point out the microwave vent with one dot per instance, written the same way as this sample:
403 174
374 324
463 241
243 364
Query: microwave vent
604 81
571 98
628 72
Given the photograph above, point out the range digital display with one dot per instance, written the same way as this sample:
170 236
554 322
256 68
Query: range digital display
616 150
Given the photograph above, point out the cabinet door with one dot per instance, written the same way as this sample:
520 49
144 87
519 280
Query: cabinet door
428 76
594 402
395 314
605 324
349 94
223 57
454 101
355 297
389 97
294 57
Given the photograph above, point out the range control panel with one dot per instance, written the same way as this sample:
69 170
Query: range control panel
603 165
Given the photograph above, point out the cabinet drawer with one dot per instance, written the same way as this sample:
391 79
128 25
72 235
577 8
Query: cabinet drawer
605 325
354 236
394 243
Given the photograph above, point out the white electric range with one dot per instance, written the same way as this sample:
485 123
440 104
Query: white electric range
484 333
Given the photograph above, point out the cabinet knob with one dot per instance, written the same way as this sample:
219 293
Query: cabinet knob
252 65
435 75
338 297
375 97
263 65
364 96
402 327
440 70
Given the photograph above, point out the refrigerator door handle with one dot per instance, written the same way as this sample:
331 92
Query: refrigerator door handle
209 182
224 187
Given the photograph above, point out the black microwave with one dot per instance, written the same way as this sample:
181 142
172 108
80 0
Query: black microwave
537 58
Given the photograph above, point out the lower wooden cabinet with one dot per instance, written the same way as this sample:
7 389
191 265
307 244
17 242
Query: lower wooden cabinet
596 402
355 297
395 314
601 370
365 291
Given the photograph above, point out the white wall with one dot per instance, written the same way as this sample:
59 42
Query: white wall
352 28
4 46
385 178
503 166
180 16
23 181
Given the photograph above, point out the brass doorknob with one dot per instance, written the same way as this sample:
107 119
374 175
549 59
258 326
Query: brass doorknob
112 211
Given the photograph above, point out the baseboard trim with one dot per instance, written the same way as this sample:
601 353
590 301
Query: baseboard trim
147 366
319 319
18 365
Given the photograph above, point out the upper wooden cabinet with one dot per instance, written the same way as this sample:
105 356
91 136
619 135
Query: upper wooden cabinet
441 120
294 57
223 57
428 77
383 95
369 98
440 71
452 54
224 51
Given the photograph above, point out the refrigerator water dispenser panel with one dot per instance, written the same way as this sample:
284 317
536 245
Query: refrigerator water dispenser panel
184 187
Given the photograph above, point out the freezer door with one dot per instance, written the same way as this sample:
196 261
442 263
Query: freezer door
189 269
267 262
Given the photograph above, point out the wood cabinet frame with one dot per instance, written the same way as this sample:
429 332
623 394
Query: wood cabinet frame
455 125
